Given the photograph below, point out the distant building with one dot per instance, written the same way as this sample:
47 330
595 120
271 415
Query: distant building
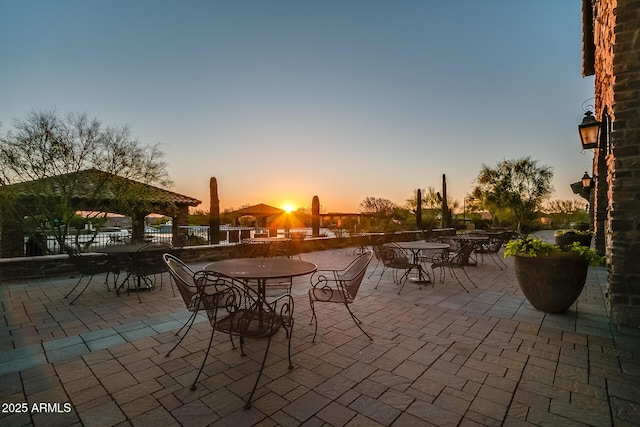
120 221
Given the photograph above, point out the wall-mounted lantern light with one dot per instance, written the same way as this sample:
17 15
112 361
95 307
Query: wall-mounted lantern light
589 131
587 181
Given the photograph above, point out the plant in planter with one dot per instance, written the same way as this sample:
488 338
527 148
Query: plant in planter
551 277
567 237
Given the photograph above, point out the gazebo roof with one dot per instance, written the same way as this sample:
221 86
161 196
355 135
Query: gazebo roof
101 188
259 210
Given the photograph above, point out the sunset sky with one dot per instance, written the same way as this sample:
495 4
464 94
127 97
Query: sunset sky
284 100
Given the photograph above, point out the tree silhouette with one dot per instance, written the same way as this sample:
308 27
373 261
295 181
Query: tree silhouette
514 190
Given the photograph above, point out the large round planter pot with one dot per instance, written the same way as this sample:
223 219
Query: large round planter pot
569 237
551 283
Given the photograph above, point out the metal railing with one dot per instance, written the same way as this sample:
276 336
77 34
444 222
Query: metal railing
195 236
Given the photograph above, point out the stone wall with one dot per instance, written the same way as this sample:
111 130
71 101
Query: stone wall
24 268
604 40
624 212
617 88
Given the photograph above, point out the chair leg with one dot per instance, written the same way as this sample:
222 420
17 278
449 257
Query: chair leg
401 287
374 270
453 273
289 332
357 322
136 278
189 322
116 275
501 260
75 286
193 386
381 274
126 279
241 339
82 291
247 405
106 281
313 318
433 270
170 282
496 257
405 275
460 282
190 319
173 287
404 279
469 277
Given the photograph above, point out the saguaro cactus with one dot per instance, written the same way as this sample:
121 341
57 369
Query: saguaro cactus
419 210
214 212
315 216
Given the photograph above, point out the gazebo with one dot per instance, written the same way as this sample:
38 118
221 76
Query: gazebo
260 212
88 190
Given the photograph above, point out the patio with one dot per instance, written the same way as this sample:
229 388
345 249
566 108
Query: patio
439 356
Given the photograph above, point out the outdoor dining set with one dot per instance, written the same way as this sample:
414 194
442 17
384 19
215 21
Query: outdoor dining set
250 297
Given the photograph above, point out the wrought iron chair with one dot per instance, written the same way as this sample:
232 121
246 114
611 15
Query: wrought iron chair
289 248
176 252
259 250
339 286
492 248
457 260
397 260
147 262
377 253
240 311
90 265
183 277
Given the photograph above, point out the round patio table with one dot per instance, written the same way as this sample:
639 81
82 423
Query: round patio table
415 247
123 256
262 269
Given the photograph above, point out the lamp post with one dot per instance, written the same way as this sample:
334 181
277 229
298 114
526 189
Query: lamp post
464 209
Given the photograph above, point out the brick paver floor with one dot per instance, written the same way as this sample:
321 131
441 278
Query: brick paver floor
439 356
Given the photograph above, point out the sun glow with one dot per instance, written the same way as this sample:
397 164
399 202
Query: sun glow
288 207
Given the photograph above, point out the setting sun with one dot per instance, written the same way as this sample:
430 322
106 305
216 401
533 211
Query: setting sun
288 207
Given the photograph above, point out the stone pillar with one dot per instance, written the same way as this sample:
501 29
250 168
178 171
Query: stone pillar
181 218
11 237
137 227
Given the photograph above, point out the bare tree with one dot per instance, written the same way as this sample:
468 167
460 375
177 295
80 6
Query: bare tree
378 207
40 162
382 212
565 211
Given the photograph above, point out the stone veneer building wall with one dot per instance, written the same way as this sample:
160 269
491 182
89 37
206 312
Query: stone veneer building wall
611 51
